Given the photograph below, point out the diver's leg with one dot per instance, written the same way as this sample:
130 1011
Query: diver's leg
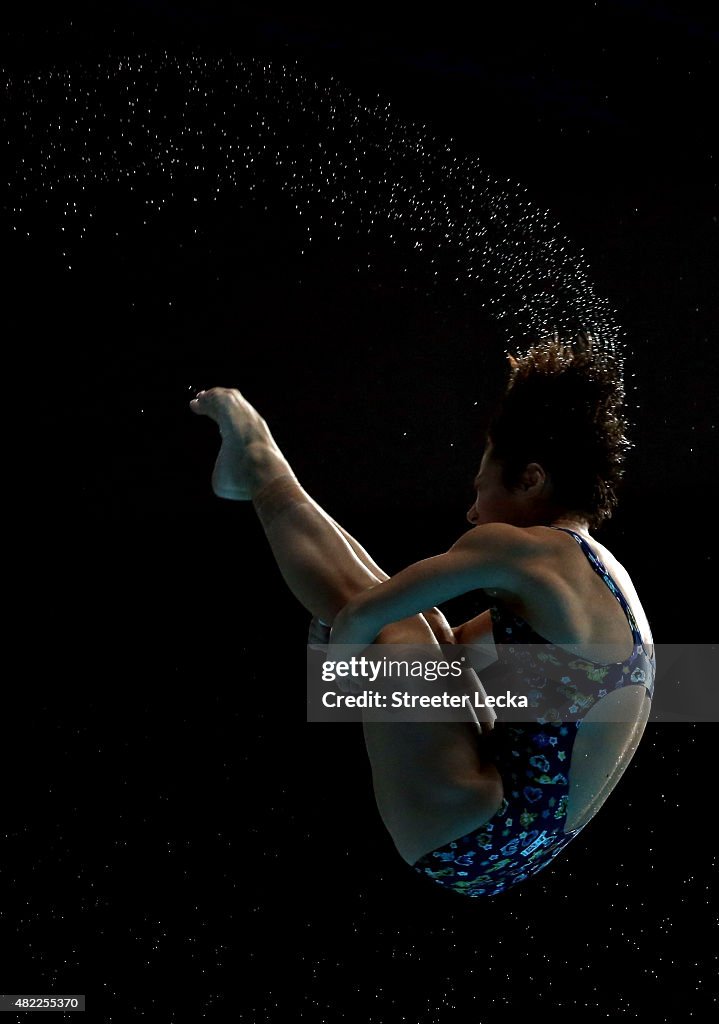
316 561
364 557
322 564
422 805
429 781
432 782
319 564
435 618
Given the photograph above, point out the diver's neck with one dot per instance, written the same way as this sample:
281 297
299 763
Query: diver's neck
580 526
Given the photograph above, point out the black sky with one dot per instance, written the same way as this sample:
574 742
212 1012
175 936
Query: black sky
179 843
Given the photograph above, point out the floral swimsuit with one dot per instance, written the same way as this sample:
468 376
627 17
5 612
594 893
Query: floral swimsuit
533 758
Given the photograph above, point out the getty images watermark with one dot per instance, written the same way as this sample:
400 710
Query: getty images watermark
357 672
513 683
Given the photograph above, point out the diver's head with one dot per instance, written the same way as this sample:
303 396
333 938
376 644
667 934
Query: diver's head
555 447
523 500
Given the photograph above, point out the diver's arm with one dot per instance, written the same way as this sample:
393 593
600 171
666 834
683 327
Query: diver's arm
495 555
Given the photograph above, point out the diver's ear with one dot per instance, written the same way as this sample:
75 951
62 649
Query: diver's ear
533 476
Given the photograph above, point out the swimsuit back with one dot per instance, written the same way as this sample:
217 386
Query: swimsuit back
534 757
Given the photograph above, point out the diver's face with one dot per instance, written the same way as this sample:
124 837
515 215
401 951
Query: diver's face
493 502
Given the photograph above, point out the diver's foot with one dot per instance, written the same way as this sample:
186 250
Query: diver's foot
249 457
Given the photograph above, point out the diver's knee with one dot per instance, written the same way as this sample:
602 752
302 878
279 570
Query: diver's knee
414 630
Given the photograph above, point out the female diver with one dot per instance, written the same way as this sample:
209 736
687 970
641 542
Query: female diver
480 806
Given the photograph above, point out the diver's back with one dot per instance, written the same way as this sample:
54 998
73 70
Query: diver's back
577 630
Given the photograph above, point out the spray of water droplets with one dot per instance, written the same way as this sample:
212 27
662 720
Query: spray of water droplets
258 127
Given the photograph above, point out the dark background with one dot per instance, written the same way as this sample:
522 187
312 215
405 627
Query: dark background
178 841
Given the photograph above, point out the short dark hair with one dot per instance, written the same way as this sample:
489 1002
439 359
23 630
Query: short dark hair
562 408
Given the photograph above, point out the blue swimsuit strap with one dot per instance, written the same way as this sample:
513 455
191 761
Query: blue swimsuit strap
601 570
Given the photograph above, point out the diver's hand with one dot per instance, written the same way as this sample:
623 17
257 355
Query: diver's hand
437 622
319 634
